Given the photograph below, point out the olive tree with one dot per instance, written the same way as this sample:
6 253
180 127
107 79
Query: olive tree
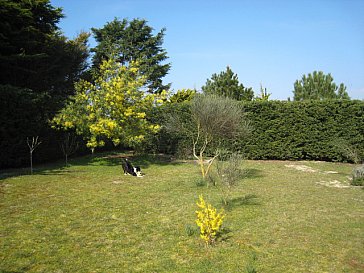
210 123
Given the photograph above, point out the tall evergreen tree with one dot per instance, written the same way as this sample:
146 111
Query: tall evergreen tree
318 86
38 69
33 52
227 84
133 41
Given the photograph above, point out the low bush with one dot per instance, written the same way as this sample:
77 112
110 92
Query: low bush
227 174
358 176
209 221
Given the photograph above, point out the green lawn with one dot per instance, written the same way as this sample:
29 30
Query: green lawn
89 217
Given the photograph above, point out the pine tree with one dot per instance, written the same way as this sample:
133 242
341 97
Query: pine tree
127 41
318 86
227 84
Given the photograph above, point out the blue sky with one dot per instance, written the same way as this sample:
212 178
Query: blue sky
272 43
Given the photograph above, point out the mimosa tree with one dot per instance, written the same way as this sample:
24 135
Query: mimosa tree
113 106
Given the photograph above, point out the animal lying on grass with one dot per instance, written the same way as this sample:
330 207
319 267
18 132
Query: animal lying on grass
129 169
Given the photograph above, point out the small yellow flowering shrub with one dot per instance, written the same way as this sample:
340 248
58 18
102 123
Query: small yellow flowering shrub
209 221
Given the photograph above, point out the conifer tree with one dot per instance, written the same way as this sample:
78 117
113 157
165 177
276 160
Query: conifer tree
227 84
318 86
127 41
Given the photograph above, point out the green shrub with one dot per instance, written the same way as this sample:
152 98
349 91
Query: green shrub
227 174
358 176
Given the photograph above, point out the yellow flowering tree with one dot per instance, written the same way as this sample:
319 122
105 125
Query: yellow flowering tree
113 106
209 221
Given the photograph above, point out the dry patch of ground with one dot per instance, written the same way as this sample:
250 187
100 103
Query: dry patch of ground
334 184
305 168
327 183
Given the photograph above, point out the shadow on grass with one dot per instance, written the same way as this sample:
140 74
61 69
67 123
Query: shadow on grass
143 161
252 173
246 200
58 171
99 159
13 173
225 234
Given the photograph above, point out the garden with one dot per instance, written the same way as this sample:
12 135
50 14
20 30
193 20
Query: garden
301 216
223 179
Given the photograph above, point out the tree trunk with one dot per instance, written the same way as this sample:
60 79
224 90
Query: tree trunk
31 162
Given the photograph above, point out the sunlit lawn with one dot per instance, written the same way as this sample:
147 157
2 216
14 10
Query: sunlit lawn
89 217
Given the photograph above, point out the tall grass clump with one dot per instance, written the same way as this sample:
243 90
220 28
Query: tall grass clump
358 176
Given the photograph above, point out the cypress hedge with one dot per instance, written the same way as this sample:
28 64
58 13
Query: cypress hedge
283 130
309 130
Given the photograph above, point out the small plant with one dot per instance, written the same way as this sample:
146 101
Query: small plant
200 182
190 230
227 175
32 146
250 269
358 176
209 221
68 145
349 151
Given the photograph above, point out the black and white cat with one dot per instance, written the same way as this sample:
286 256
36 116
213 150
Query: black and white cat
130 169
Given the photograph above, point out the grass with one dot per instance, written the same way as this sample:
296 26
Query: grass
89 217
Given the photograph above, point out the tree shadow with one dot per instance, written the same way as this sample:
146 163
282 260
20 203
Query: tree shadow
225 234
141 160
57 171
13 173
251 173
99 159
246 200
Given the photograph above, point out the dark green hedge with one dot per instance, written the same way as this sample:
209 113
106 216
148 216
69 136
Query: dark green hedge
308 130
281 130
22 115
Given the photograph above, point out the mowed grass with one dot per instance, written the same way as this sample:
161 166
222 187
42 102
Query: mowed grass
89 217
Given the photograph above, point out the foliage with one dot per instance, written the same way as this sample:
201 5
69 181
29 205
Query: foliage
38 69
22 18
303 130
209 221
264 95
33 52
227 84
210 123
227 174
318 86
19 118
133 41
182 96
348 151
330 130
358 176
113 107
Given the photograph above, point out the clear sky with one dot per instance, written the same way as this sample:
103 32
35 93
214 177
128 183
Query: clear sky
272 43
